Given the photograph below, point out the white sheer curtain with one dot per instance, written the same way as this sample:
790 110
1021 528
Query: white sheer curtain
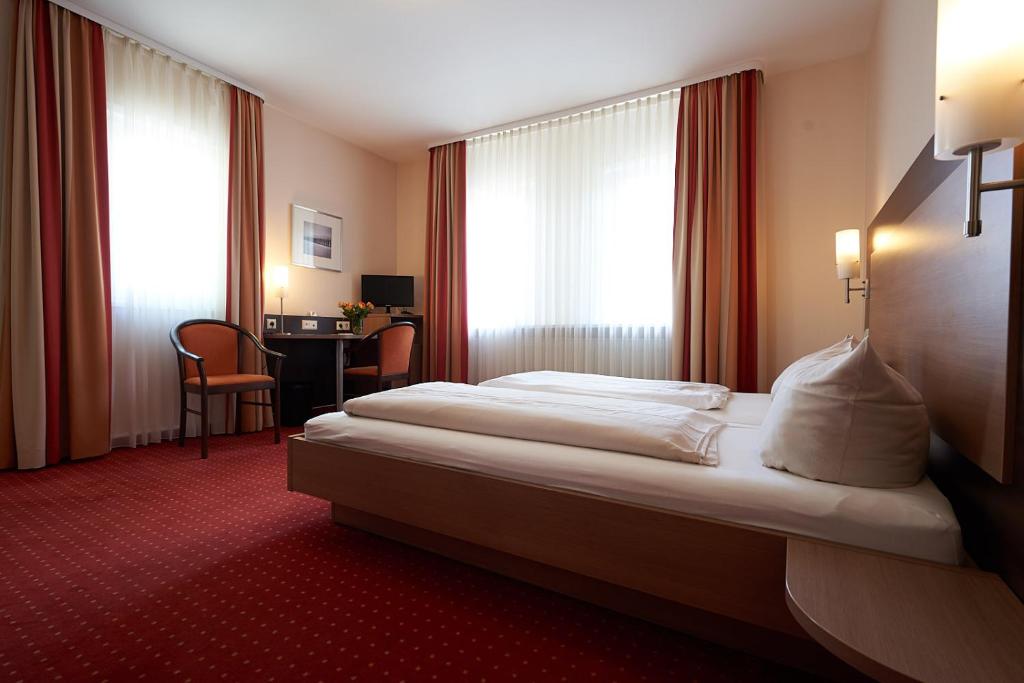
168 136
569 243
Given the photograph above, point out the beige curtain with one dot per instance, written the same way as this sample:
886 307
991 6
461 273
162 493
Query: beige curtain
54 253
446 345
718 328
246 239
8 34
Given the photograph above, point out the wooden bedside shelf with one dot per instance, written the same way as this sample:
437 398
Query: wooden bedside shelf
900 619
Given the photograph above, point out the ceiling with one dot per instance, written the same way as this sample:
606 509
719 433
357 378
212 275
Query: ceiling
394 76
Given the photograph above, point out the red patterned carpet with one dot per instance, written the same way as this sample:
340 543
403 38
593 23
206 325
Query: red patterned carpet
154 564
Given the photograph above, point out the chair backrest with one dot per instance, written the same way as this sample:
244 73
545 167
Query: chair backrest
394 348
217 342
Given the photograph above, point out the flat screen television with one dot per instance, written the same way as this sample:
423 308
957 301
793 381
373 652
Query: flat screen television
388 290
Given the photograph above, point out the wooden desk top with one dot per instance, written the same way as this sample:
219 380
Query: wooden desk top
900 619
336 336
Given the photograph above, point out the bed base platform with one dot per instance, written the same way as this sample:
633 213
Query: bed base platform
716 580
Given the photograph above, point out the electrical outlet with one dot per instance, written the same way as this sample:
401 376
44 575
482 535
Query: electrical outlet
271 323
338 327
309 324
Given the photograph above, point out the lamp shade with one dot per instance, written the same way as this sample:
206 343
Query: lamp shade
279 281
848 253
979 76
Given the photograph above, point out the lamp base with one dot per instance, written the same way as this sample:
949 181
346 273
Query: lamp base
972 223
865 290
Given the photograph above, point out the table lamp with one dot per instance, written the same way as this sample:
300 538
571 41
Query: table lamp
279 284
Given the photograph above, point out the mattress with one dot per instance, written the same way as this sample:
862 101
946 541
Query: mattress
916 521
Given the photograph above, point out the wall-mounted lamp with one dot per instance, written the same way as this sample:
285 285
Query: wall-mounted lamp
848 261
979 88
279 285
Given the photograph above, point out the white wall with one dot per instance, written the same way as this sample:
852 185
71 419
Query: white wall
411 201
814 125
901 94
307 166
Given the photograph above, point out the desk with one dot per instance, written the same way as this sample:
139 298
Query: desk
899 619
306 353
314 374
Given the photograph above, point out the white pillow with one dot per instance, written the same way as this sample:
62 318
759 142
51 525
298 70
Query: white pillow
847 418
844 345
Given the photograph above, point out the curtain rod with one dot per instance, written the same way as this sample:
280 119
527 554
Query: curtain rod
159 47
658 89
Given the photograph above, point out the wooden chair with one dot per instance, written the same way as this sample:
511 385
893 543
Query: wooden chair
209 362
393 346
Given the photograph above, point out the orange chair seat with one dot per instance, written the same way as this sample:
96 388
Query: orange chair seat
225 380
362 371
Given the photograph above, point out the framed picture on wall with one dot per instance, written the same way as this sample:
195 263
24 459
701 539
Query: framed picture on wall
316 238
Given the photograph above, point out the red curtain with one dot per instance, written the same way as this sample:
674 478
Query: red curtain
716 332
55 350
246 239
446 343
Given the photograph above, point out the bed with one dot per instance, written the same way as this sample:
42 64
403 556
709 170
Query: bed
916 522
697 548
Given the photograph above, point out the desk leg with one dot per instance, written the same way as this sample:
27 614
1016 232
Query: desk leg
339 382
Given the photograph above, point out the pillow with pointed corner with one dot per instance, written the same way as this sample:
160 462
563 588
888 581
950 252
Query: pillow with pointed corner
848 419
844 345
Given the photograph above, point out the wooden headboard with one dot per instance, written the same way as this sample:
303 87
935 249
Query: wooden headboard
946 312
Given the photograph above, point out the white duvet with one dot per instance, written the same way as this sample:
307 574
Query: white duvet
659 430
694 395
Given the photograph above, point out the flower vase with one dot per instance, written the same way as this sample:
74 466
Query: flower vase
357 326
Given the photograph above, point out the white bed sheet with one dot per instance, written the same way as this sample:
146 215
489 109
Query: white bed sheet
916 521
741 409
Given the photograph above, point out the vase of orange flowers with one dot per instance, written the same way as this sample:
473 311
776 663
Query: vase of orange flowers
356 313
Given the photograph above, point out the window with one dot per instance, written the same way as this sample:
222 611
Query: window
569 243
168 137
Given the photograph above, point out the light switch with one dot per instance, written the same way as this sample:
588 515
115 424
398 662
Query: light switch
309 324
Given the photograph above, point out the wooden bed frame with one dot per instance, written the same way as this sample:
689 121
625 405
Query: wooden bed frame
713 579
